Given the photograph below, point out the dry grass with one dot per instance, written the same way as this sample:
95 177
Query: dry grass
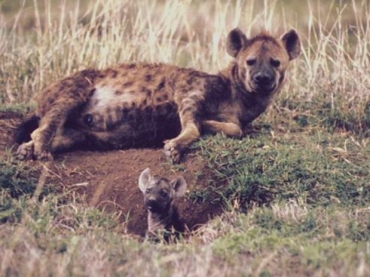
66 36
318 128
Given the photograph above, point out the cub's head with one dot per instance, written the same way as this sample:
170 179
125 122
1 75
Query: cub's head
160 192
262 60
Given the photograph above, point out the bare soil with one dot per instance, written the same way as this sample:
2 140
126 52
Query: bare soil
109 180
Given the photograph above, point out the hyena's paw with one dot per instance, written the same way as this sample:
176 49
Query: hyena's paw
25 151
173 151
43 155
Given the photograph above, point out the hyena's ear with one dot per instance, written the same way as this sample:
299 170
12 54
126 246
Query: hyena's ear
236 40
179 185
144 179
292 44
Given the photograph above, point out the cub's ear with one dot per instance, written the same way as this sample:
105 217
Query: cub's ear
235 41
144 179
292 44
179 185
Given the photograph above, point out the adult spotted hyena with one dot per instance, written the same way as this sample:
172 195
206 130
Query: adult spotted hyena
140 104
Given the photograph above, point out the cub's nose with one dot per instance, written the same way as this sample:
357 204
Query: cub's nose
152 205
263 79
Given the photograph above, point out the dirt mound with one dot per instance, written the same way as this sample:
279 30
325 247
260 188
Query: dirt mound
109 180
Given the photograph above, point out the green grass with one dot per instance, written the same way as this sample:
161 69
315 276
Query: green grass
315 168
58 235
295 204
296 189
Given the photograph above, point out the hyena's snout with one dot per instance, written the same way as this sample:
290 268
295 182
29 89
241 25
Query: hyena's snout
154 204
264 79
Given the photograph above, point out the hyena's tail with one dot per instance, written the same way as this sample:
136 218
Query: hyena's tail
23 132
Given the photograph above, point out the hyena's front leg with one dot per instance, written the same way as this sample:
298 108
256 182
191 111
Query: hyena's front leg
228 128
188 109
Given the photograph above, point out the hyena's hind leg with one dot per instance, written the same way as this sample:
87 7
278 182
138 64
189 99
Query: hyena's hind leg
190 127
25 150
61 101
51 136
22 136
65 139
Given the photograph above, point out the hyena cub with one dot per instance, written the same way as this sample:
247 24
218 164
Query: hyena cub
142 104
159 194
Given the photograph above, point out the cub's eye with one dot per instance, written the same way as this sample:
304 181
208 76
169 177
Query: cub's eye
251 62
148 190
88 119
275 63
164 193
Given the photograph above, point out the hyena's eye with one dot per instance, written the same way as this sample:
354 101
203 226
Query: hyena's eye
251 61
275 62
148 190
88 119
164 193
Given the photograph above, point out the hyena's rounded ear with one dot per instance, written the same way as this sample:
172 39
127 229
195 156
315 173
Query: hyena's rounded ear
179 185
292 44
144 179
235 41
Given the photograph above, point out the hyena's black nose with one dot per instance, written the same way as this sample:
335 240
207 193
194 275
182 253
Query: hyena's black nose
261 78
152 205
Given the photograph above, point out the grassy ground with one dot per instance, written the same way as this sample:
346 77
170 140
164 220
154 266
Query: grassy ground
297 200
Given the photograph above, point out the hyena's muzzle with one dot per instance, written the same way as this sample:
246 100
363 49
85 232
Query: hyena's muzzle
263 79
157 201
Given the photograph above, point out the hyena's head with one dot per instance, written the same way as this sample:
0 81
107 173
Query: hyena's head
160 192
262 60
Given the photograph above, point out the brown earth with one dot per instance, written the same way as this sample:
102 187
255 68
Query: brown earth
109 180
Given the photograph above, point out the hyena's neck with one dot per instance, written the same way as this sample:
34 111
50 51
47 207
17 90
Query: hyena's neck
160 221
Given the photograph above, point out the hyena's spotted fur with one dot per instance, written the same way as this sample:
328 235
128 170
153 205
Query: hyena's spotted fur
159 194
143 104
